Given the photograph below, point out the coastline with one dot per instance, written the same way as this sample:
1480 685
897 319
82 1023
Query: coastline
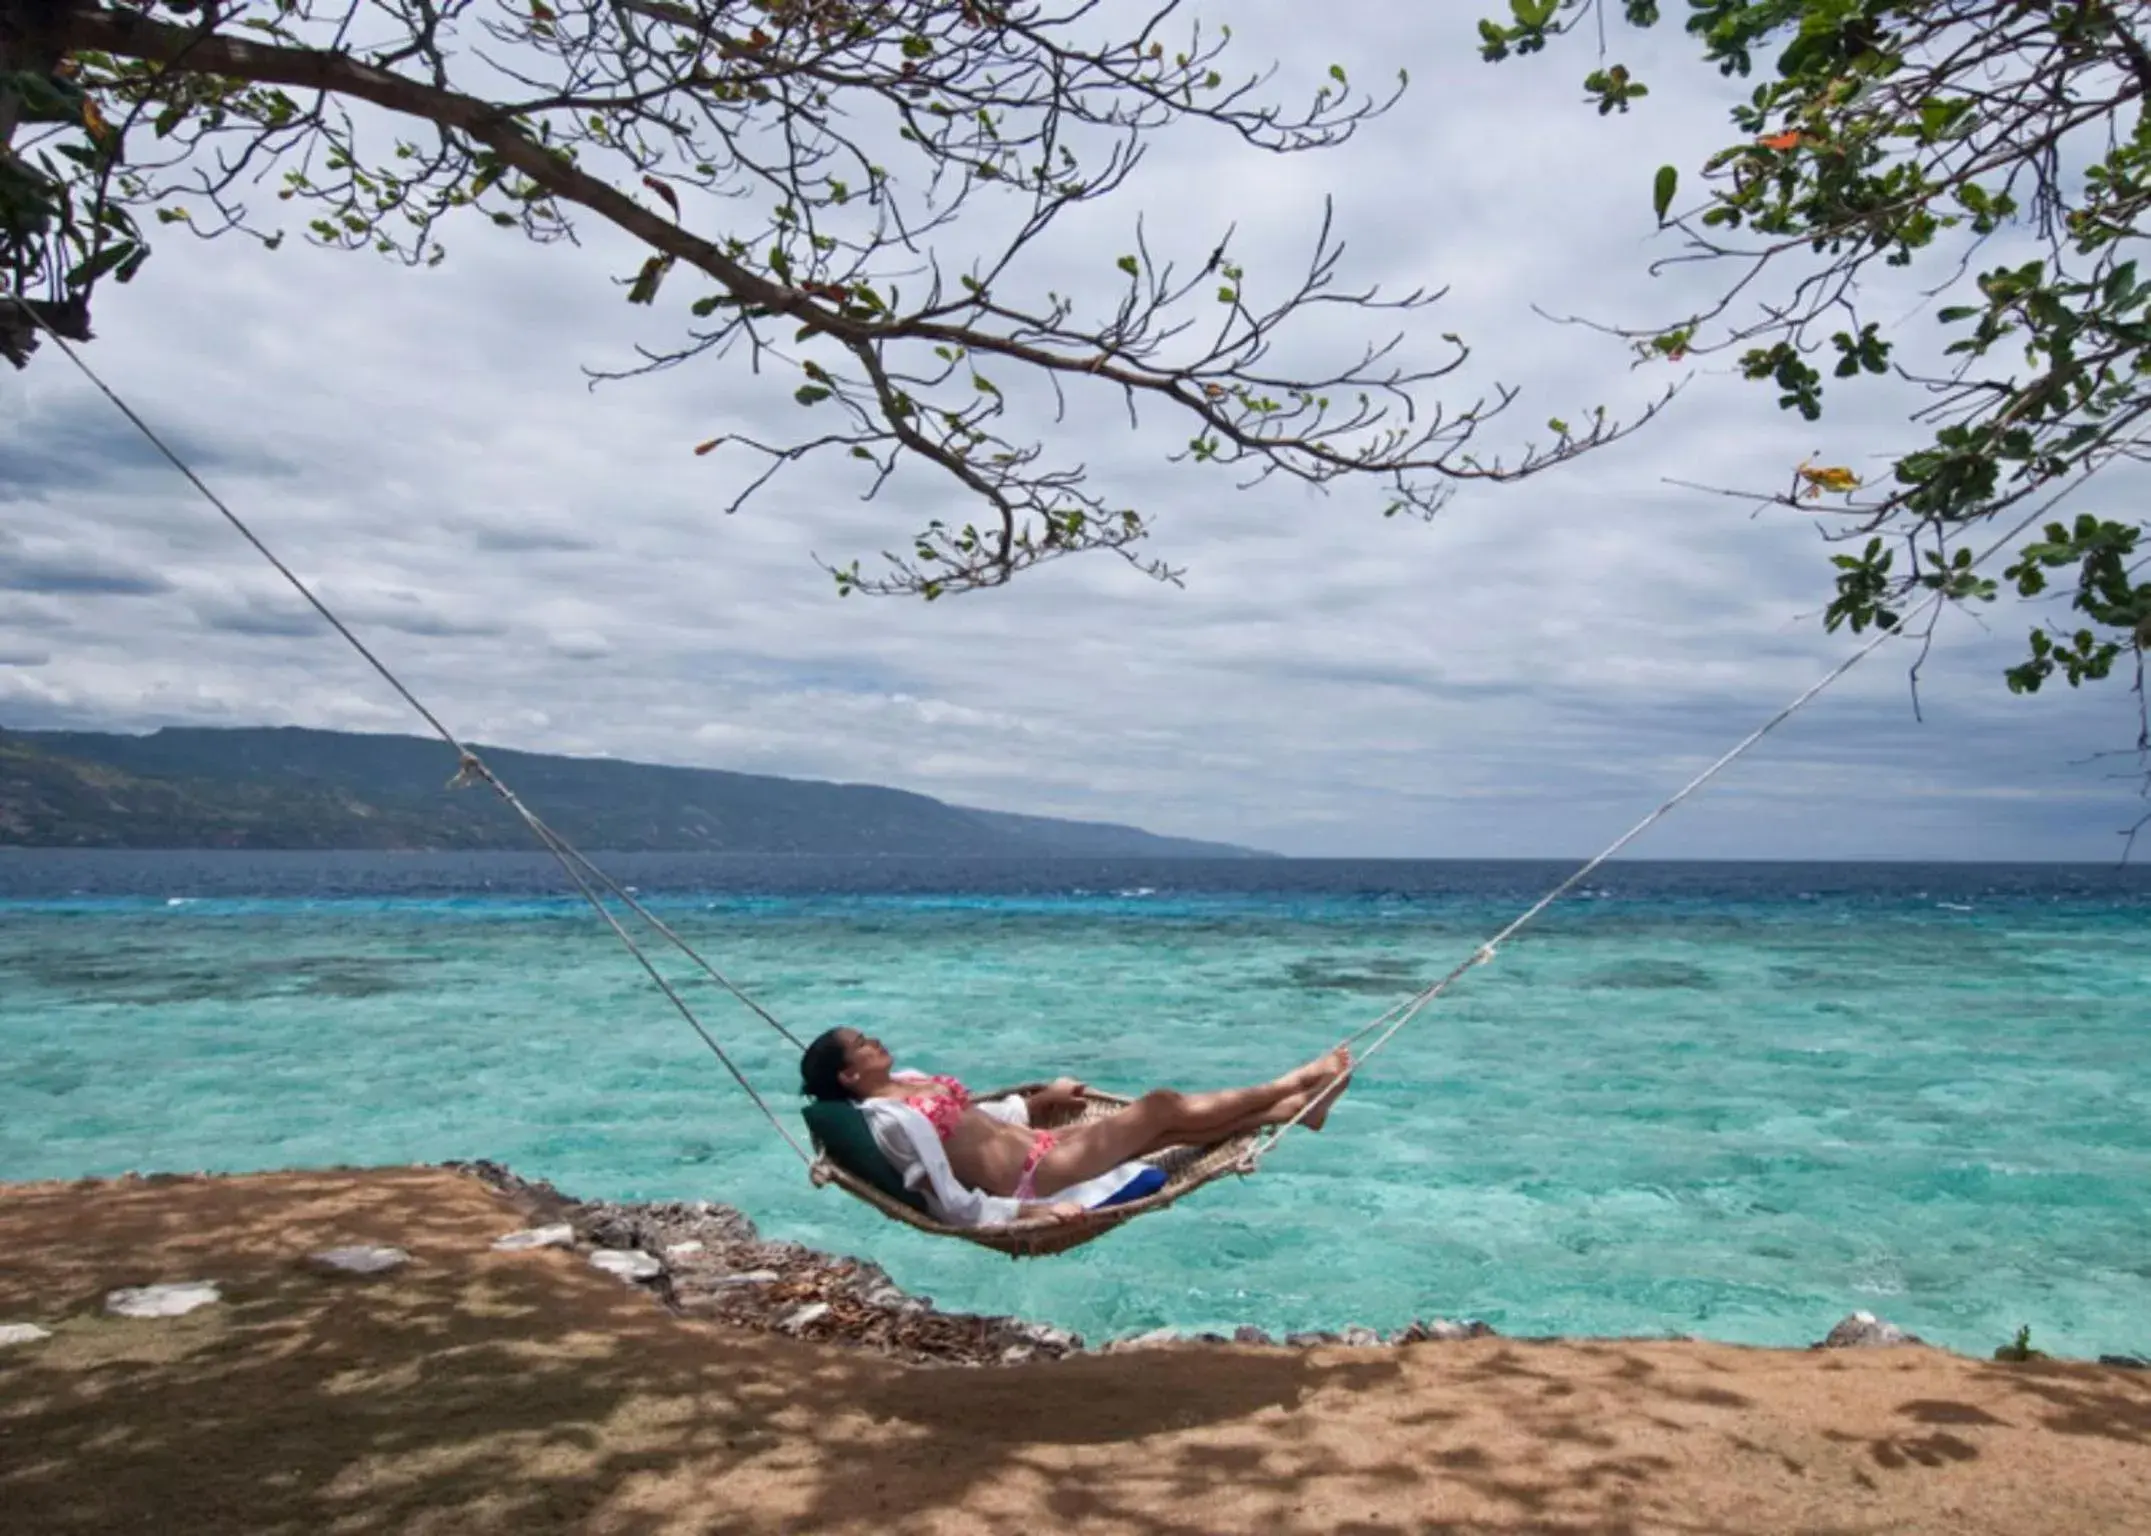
462 1386
710 1262
706 1261
713 1264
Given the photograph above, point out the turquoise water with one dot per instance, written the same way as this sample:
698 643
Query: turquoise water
1733 1101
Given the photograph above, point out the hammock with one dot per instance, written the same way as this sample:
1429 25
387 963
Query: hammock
1186 1170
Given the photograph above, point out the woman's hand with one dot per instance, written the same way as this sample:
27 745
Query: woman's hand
1062 1090
1050 1210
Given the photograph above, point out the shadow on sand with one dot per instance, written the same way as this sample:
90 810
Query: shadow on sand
475 1392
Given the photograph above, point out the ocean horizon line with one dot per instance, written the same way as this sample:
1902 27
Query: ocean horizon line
1054 858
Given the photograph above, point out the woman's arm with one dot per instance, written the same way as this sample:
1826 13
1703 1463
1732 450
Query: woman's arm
1061 1091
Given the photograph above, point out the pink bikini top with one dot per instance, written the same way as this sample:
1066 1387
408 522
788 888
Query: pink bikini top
943 1105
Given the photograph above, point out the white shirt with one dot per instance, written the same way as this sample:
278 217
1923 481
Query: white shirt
908 1140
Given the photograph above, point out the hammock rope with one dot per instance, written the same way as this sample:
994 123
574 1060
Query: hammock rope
587 877
1403 1013
1199 1166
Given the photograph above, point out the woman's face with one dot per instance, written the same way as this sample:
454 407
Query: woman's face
866 1061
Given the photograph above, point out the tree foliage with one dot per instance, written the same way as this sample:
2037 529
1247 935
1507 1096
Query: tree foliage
2001 148
844 194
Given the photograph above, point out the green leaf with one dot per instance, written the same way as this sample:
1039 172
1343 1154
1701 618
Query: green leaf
1128 265
810 394
99 264
44 98
647 281
1662 190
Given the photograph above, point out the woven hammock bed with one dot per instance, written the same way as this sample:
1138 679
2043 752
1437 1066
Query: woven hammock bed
1186 1170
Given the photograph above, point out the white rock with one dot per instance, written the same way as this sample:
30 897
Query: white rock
362 1260
175 1300
1444 1329
630 1264
681 1250
1863 1330
561 1236
1359 1336
1154 1339
22 1333
1016 1354
811 1312
750 1277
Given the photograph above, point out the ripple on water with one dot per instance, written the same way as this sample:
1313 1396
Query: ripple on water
1735 1118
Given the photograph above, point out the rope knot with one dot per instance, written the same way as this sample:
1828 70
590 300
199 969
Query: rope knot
469 770
1485 955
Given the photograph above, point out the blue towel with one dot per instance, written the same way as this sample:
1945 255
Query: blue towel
1148 1182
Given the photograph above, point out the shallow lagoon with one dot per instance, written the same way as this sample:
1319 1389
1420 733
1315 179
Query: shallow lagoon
1730 1100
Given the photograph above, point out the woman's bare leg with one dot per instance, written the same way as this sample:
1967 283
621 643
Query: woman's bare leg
1163 1118
1310 1107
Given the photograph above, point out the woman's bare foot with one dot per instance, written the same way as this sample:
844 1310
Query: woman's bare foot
1330 1089
1328 1065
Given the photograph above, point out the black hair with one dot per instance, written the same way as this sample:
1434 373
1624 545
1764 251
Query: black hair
819 1065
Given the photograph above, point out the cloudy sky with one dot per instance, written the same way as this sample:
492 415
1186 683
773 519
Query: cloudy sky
550 566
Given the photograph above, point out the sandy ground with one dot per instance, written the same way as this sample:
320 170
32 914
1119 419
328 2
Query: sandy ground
477 1392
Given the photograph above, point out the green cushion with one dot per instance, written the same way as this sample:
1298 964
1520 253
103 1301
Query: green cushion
841 1132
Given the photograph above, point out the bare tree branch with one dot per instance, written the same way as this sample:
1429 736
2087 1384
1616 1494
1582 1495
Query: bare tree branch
820 164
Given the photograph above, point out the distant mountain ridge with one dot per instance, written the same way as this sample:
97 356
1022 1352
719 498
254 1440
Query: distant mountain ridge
289 787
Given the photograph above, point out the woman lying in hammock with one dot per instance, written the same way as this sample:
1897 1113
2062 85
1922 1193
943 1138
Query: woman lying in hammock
980 1163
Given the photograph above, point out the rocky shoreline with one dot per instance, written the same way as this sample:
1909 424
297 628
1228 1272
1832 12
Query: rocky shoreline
702 1259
